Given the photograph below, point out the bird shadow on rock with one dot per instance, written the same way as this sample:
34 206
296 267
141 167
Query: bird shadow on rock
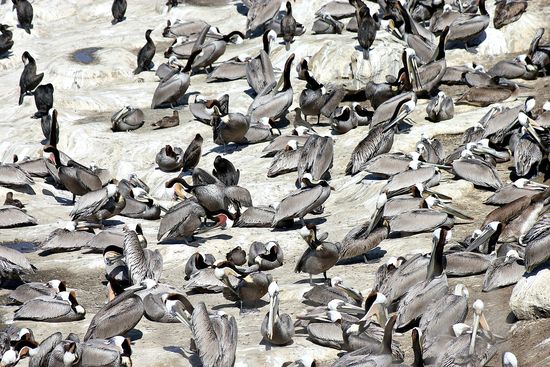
296 225
251 93
135 334
227 149
196 242
269 346
59 199
112 223
193 359
371 257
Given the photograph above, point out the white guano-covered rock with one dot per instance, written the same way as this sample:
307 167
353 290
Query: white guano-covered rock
531 296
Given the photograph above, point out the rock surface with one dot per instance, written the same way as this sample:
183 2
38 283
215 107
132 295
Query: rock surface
531 296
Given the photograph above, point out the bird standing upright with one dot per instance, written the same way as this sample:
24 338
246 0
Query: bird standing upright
288 26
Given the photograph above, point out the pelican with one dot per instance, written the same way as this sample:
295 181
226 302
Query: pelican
507 12
464 263
119 315
99 205
469 28
261 12
405 276
77 179
28 291
316 157
535 241
215 337
382 358
367 26
527 154
343 119
65 353
43 99
174 85
181 220
326 24
41 354
232 69
504 271
6 39
276 328
465 349
320 255
389 164
29 80
197 262
259 216
146 54
13 202
518 67
385 111
212 51
168 121
477 171
169 159
142 263
266 256
13 263
63 307
12 217
515 190
178 307
230 128
237 256
412 305
259 71
322 294
250 288
437 321
115 351
379 139
427 77
440 108
303 201
276 103
127 119
13 175
203 109
360 240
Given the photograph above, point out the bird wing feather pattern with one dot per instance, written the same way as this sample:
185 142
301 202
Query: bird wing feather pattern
296 202
42 308
89 203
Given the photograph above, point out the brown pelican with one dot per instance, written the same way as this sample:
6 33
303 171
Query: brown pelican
24 14
316 157
215 337
232 69
507 11
286 160
503 271
64 353
11 217
261 12
322 294
535 241
538 53
168 121
119 315
527 153
249 289
231 128
440 108
13 264
379 139
276 328
515 190
96 206
63 307
181 221
288 26
169 159
469 350
326 24
477 171
142 263
146 54
115 351
237 256
437 321
320 255
197 262
13 175
303 201
41 354
76 178
29 80
276 103
425 78
203 108
343 119
383 358
28 291
127 119
266 256
385 110
468 28
486 95
519 67
174 85
192 154
259 71
412 305
66 239
212 51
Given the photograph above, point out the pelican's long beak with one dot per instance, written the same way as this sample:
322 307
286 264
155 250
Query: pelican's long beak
181 318
531 125
484 325
349 308
414 67
271 317
536 186
135 287
474 334
375 219
379 311
438 195
484 237
452 211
